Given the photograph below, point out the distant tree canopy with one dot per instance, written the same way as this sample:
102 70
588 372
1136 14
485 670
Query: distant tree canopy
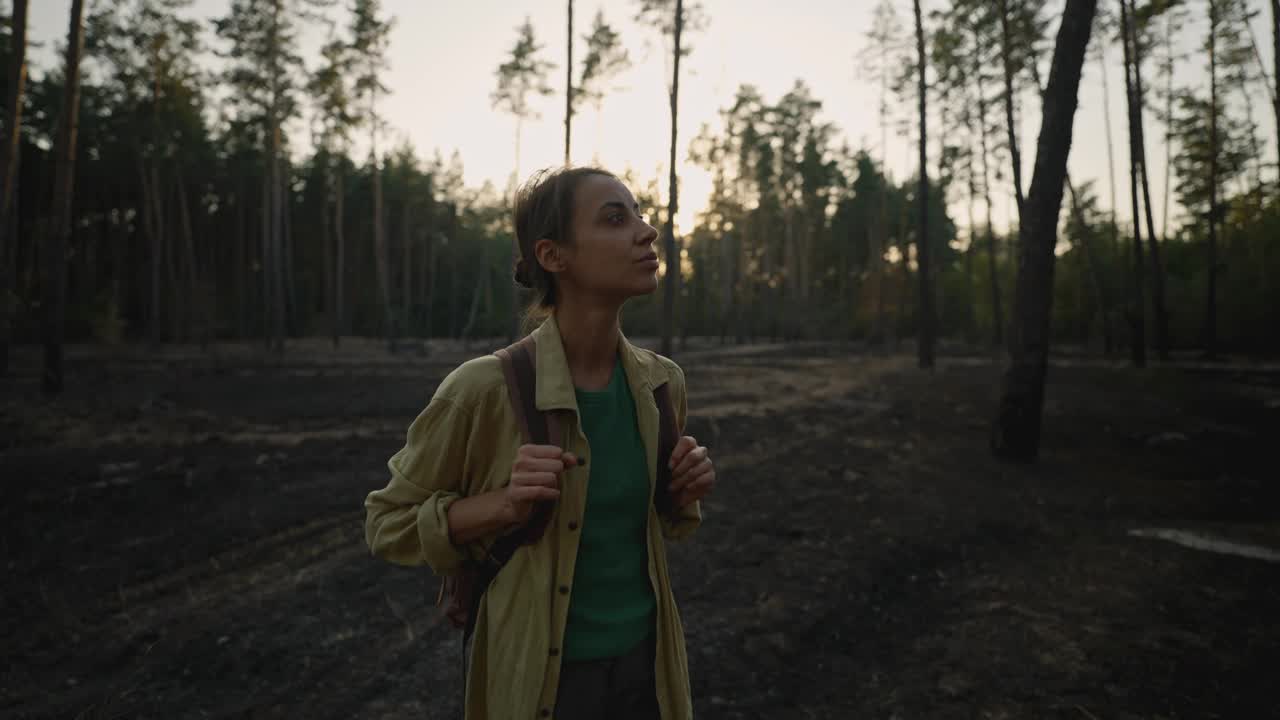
201 210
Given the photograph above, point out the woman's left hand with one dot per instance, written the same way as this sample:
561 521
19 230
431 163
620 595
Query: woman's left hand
692 474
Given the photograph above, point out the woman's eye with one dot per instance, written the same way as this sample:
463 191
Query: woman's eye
617 219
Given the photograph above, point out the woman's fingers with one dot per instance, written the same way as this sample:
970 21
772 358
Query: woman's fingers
534 493
698 472
682 448
547 479
697 489
690 460
540 464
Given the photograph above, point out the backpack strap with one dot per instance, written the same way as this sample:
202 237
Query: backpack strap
536 427
668 436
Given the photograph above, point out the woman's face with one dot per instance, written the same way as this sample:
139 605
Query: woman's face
612 255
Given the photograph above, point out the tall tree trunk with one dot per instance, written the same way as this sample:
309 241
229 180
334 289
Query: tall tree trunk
277 242
152 226
1006 57
17 78
1016 431
340 266
997 312
59 225
195 304
568 84
1153 243
1106 117
240 256
289 290
1137 309
971 329
380 238
264 253
1168 137
925 321
1211 294
432 253
326 242
1275 75
178 321
273 296
672 253
406 271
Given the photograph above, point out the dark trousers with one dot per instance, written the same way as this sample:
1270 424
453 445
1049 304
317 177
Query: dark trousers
620 688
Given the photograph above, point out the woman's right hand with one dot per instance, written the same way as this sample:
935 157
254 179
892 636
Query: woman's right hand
535 476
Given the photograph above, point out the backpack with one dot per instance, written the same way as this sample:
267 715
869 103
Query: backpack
460 594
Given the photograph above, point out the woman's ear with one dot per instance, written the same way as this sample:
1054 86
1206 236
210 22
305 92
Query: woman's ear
550 255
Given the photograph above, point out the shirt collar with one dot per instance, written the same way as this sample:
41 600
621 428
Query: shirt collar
554 389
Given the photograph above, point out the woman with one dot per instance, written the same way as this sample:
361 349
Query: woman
582 623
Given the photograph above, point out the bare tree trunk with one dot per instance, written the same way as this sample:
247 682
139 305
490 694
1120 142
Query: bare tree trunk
1016 431
59 226
380 245
17 78
1006 51
481 289
568 84
971 330
1106 116
326 243
151 224
264 254
340 268
272 237
196 315
1168 137
1275 75
406 273
1153 243
1211 295
925 321
430 287
997 312
1137 309
672 280
240 256
178 320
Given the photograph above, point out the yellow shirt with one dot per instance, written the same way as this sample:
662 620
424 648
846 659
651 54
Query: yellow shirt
464 443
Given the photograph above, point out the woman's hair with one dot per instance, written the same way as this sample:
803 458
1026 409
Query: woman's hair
544 209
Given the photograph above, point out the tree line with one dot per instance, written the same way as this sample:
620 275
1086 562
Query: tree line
148 198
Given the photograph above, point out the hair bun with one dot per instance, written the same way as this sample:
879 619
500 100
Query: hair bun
521 274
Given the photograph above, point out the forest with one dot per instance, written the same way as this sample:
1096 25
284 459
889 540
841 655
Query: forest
228 281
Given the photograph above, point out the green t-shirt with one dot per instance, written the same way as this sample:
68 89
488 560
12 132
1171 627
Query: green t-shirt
612 606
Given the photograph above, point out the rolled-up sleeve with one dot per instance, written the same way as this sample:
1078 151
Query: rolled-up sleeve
681 522
407 521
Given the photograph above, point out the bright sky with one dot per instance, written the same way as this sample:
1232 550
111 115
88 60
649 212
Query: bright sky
443 56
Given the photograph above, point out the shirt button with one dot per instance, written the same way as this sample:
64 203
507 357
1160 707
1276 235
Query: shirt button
564 589
545 712
573 525
555 652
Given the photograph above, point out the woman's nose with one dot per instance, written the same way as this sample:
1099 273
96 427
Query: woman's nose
649 235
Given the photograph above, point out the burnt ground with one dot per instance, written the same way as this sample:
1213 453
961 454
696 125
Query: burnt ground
182 538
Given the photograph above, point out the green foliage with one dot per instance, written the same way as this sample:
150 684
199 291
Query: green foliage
521 75
605 58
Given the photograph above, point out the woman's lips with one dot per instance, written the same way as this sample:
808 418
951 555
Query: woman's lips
650 260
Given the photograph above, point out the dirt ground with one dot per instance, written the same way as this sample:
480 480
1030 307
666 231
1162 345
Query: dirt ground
182 538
